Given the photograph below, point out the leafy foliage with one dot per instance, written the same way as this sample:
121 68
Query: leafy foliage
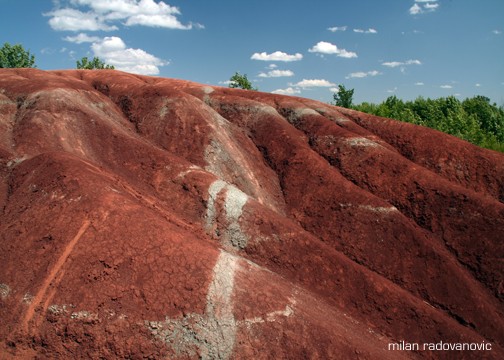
343 97
241 82
15 56
474 119
95 63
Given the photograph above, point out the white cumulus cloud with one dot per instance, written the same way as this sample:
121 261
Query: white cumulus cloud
323 47
446 87
101 13
113 51
276 73
140 12
75 20
276 56
415 9
308 83
165 21
419 83
288 91
347 54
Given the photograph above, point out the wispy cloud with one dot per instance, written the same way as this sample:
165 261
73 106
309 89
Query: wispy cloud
368 31
276 56
337 28
308 83
497 32
393 64
47 50
446 87
419 83
323 47
95 15
276 73
415 32
423 6
362 74
114 51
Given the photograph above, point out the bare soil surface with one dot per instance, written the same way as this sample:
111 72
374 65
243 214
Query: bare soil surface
150 218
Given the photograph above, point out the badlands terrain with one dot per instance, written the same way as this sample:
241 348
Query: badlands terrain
144 217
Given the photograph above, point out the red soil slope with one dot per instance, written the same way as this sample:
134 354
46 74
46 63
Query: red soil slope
156 218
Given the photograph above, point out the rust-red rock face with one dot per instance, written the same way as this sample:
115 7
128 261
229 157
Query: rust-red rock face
156 218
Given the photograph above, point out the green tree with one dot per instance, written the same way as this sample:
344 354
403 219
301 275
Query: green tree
15 56
474 119
240 81
343 97
490 117
367 107
429 112
95 63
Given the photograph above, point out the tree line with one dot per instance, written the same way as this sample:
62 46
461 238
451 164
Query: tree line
474 119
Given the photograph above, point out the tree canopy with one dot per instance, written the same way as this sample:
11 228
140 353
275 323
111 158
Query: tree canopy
240 81
474 119
15 56
95 63
343 97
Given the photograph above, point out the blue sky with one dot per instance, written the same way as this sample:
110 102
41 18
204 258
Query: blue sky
407 48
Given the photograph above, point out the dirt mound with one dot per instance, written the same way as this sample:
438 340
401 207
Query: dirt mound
145 217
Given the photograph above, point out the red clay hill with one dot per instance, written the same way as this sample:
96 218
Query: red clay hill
154 218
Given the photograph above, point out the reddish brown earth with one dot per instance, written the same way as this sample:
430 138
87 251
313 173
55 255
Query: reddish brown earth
156 218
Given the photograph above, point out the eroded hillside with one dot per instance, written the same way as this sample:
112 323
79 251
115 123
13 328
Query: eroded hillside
151 217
